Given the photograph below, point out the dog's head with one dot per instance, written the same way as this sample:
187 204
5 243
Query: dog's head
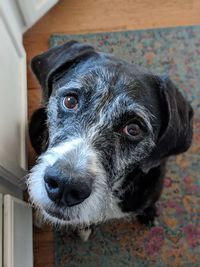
102 118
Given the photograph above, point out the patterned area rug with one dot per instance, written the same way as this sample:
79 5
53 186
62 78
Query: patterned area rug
176 240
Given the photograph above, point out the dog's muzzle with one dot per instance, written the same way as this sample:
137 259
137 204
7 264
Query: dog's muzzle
68 181
69 184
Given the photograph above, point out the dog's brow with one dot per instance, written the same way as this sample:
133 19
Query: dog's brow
136 108
71 85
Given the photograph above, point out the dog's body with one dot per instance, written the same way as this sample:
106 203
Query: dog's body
104 133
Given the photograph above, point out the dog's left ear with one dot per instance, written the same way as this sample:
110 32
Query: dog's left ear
177 124
38 131
56 60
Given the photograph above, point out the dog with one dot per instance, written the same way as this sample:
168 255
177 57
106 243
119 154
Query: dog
103 134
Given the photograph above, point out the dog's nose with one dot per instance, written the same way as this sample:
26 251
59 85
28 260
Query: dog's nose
65 192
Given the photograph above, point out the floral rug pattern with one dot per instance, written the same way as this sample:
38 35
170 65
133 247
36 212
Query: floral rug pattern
175 241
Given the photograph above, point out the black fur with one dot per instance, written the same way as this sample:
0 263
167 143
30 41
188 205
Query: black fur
170 126
38 131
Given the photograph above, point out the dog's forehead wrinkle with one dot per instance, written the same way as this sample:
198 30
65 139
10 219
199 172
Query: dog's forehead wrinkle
102 77
72 84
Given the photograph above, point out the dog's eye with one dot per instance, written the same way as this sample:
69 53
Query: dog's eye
70 102
132 129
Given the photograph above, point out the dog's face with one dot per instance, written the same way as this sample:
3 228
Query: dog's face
102 118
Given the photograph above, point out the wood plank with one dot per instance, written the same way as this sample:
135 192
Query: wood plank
43 247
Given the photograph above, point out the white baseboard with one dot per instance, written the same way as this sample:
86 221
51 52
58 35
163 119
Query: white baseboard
18 240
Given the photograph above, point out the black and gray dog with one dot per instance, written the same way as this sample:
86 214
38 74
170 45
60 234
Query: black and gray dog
103 133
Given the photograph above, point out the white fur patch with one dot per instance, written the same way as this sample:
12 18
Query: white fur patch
85 234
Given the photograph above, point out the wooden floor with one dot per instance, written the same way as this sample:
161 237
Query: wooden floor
87 16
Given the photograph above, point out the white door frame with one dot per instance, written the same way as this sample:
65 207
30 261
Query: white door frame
15 175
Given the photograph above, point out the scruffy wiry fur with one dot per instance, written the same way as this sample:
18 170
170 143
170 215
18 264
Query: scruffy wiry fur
88 144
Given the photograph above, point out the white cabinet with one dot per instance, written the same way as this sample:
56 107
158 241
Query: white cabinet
13 99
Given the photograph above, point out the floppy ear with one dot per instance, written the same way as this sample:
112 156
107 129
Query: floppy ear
56 60
177 124
38 130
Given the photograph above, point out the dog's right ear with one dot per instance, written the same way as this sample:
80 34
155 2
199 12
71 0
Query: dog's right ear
38 131
176 130
56 60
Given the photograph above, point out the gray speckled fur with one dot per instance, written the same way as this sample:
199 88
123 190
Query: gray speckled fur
89 144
